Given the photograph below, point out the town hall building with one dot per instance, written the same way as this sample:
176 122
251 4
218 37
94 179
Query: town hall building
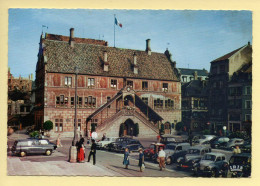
119 91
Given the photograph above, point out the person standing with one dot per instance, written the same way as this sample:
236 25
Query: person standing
237 150
126 158
94 135
58 141
80 148
93 152
141 159
161 157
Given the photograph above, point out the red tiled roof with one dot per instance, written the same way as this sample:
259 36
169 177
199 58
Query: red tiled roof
226 56
76 39
89 58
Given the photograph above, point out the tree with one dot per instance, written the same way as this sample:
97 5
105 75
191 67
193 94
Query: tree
48 125
179 126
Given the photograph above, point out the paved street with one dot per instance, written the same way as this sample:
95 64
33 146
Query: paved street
108 163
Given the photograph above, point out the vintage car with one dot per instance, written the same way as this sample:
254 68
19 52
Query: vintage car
165 139
175 150
101 144
246 147
121 143
204 140
194 155
240 165
24 147
219 142
149 153
232 143
211 164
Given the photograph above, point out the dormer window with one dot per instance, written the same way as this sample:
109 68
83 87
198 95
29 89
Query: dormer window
91 82
165 87
68 81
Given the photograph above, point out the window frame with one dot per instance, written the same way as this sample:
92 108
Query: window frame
144 85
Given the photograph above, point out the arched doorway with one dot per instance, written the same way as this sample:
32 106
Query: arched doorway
127 128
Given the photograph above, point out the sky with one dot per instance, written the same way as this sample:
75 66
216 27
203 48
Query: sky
194 37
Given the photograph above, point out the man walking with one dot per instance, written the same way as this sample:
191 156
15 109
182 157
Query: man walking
93 152
161 157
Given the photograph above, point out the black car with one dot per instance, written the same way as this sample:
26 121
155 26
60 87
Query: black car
219 142
240 165
194 155
121 143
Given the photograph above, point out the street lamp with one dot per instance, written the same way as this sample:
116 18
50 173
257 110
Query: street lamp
73 148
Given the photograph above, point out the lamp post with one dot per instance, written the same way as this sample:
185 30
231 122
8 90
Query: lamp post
73 148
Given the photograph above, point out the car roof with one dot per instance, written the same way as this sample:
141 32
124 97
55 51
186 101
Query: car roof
199 147
215 154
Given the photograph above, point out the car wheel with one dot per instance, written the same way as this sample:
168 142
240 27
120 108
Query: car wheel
169 161
214 173
22 153
48 152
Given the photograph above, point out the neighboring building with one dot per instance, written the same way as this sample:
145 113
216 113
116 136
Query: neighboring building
221 72
19 103
120 91
194 105
240 99
188 75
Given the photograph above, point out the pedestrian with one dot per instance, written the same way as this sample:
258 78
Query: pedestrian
94 135
58 141
93 152
141 160
104 137
161 156
80 150
126 158
237 150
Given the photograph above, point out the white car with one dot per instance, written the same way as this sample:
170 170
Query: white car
105 142
204 140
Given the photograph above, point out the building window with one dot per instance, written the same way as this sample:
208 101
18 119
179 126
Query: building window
113 83
196 103
158 103
79 101
58 125
66 100
91 82
62 99
248 90
22 109
91 101
57 100
130 84
169 103
145 100
248 104
165 87
248 117
68 81
86 101
72 100
145 85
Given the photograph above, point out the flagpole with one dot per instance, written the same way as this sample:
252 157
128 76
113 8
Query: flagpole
114 31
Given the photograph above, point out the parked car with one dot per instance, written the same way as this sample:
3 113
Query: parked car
219 142
173 151
212 164
246 147
121 143
204 140
194 155
240 165
232 143
101 144
149 153
33 146
165 139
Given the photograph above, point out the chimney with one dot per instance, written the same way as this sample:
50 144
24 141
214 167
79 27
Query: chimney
72 41
195 75
135 65
105 62
148 47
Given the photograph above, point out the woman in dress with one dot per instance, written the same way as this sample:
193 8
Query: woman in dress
141 159
126 158
80 148
58 142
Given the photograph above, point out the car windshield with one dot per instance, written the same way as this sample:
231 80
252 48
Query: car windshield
209 157
193 151
172 147
170 139
239 160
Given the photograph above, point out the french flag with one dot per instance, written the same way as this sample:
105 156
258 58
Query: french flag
118 23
